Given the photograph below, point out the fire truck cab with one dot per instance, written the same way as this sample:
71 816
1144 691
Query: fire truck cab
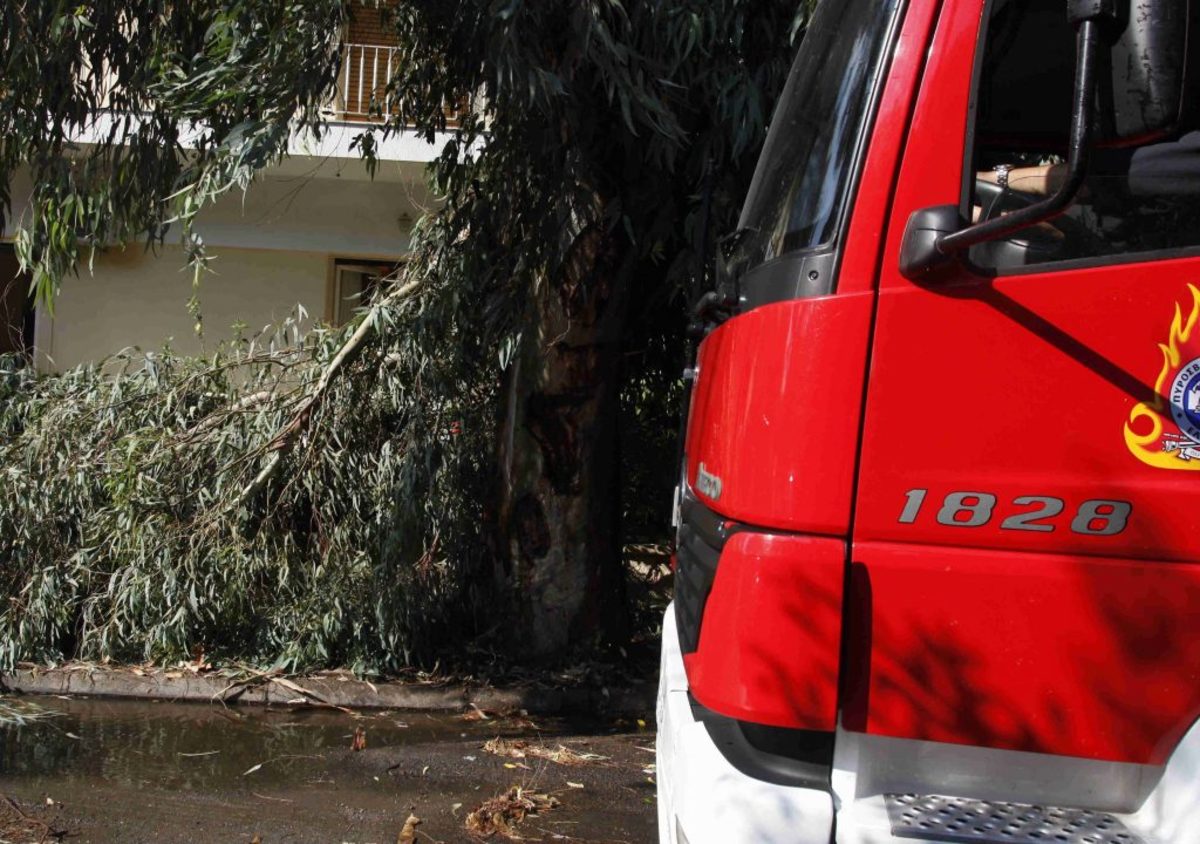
938 552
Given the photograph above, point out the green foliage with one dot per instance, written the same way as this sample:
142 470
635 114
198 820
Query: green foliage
651 402
639 120
126 533
642 118
133 115
618 135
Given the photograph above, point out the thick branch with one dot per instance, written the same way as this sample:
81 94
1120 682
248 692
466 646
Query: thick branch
284 441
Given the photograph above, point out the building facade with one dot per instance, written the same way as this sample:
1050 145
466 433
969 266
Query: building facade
310 236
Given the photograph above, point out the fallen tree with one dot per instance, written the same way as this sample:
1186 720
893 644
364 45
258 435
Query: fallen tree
252 505
448 465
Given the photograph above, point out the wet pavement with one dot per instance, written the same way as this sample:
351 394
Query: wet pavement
126 771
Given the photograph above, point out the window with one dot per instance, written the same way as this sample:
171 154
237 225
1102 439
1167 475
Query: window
1139 197
354 284
16 306
804 173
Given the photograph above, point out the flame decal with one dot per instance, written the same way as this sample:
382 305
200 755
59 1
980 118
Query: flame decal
1164 443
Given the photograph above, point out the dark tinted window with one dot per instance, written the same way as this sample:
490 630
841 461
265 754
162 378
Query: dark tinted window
803 178
1142 197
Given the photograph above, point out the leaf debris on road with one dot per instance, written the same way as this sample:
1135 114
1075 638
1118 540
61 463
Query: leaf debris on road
499 815
521 749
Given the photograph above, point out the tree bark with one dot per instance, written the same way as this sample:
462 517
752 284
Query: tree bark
559 503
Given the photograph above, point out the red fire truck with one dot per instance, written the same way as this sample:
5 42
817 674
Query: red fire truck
938 553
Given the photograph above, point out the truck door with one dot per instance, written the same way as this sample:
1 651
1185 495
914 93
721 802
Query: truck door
1027 527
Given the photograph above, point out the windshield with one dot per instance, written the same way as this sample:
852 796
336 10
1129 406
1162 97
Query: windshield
802 181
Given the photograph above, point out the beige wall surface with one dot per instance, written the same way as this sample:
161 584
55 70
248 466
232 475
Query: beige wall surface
343 212
139 299
271 249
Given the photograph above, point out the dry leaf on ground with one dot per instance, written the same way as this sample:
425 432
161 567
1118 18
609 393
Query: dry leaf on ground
520 749
499 815
476 714
409 834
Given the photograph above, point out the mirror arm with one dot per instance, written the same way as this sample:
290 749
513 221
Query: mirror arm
1077 159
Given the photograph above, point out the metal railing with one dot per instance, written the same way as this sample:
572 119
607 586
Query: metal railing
362 84
362 94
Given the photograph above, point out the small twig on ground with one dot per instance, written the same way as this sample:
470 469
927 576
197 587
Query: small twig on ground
18 713
234 690
275 799
16 825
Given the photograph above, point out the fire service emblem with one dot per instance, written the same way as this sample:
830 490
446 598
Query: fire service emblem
1165 432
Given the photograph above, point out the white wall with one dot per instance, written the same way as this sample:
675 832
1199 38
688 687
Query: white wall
135 299
332 206
272 248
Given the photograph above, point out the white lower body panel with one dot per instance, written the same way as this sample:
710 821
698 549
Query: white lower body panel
1159 803
1171 814
700 792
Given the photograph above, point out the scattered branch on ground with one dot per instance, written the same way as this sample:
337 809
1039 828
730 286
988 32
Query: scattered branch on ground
521 749
18 826
18 713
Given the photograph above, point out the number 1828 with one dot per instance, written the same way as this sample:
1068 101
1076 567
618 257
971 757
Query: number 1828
1038 513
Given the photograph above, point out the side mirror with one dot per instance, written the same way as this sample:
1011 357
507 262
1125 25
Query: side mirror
920 258
1149 88
1135 81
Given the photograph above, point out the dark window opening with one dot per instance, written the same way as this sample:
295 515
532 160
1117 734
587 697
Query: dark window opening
805 173
1139 198
16 306
355 284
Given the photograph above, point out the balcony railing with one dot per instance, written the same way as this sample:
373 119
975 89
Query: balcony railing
362 86
362 94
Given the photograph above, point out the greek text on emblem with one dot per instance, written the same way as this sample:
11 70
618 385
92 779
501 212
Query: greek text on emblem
1185 410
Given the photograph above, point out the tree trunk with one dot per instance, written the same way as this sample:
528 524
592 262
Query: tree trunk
559 503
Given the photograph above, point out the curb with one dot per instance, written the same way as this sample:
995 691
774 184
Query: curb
337 690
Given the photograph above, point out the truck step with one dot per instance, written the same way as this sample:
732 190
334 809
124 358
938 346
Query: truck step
957 819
